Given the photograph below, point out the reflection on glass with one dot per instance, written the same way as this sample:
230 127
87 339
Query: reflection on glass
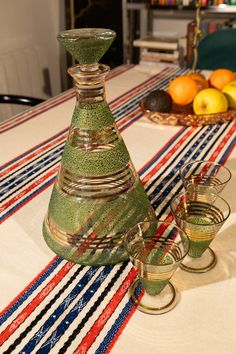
201 219
156 250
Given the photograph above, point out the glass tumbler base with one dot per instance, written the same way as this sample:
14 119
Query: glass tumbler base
202 264
155 305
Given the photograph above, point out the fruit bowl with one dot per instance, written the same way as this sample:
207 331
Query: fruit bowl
184 115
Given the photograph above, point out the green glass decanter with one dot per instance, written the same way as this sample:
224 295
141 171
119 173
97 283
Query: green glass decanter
97 196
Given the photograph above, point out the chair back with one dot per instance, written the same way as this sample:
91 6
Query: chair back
16 101
218 50
22 100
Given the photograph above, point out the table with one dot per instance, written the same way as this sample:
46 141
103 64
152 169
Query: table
51 305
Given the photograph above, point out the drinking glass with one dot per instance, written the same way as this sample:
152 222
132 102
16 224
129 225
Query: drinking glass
201 219
156 249
205 177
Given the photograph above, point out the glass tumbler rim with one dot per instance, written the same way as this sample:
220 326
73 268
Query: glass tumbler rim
209 162
156 223
216 196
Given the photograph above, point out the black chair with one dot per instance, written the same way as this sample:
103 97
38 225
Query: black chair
22 100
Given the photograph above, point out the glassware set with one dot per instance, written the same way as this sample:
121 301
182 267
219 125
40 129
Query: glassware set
99 212
200 211
157 250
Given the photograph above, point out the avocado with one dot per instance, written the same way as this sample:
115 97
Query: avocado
158 101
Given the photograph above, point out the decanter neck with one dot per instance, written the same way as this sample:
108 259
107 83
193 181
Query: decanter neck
89 81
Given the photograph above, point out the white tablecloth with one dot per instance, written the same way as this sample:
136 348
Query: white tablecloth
51 305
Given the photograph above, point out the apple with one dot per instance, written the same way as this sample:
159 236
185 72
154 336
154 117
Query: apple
210 101
230 92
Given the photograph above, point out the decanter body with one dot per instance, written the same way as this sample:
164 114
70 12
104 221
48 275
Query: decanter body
97 196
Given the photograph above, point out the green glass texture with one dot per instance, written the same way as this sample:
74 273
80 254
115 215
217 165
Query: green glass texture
87 45
97 196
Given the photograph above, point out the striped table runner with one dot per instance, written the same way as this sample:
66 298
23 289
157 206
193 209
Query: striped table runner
69 308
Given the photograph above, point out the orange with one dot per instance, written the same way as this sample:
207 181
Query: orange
183 90
200 79
220 77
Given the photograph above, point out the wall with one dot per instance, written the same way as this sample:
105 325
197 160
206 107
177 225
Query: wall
177 26
29 51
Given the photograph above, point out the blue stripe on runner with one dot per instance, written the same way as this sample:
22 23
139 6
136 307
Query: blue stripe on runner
177 187
133 102
51 103
164 149
123 108
196 147
64 97
27 198
75 311
49 182
59 310
231 143
179 164
28 152
30 290
129 305
175 169
227 151
38 166
116 325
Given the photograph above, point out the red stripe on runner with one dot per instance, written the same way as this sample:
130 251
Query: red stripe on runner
139 88
169 218
40 109
222 144
22 193
32 155
144 180
35 147
35 302
167 156
114 105
129 117
28 200
28 286
29 188
13 301
59 99
122 327
106 313
87 341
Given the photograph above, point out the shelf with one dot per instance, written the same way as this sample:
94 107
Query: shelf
146 16
222 9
